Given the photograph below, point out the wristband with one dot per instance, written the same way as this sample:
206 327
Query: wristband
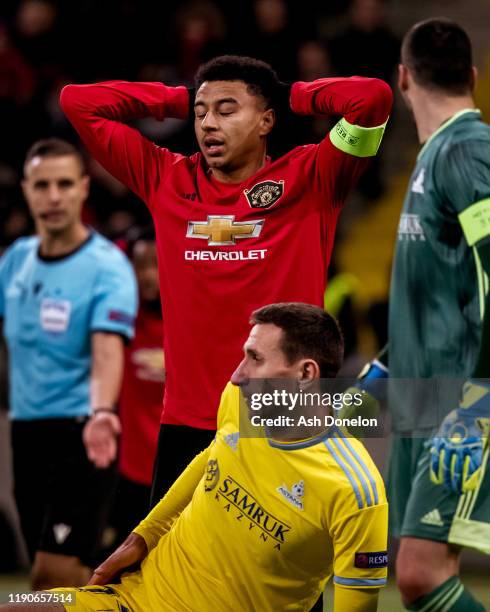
97 410
372 379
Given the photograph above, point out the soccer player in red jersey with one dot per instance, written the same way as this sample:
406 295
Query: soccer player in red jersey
140 403
235 230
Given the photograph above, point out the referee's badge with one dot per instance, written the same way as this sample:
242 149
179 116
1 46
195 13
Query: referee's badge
55 315
264 194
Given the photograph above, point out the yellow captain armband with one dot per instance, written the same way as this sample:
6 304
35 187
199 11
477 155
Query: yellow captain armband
475 221
357 140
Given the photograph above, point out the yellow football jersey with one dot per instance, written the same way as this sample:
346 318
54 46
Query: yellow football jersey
268 524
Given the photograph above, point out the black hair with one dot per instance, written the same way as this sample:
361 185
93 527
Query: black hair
259 76
308 332
54 147
438 53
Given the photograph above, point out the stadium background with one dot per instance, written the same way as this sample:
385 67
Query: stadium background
44 44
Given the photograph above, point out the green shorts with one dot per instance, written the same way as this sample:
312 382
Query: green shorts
421 509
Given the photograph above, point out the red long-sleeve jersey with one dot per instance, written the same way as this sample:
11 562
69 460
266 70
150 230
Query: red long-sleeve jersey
226 249
141 398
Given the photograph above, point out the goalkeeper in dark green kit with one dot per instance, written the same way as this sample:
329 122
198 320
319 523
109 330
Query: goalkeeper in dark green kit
439 327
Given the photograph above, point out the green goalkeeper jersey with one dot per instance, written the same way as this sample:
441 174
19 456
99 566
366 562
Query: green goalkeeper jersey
438 286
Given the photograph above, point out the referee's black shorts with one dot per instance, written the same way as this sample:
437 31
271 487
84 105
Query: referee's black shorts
62 499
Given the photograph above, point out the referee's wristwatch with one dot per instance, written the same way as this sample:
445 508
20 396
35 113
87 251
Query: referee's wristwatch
106 411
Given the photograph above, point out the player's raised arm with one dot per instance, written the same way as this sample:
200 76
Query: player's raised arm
364 106
363 103
100 112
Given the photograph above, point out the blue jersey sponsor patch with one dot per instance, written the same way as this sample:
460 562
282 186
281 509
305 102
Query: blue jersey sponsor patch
370 560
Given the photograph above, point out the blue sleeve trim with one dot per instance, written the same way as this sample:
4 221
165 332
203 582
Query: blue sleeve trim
346 472
364 468
357 471
359 581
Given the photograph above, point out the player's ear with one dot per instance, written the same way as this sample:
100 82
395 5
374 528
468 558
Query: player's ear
309 370
267 121
402 78
86 184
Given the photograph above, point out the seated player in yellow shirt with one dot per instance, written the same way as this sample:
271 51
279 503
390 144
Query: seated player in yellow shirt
259 523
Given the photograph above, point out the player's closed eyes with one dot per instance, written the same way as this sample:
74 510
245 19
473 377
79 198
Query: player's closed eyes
222 113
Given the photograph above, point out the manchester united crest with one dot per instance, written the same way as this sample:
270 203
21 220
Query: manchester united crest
264 194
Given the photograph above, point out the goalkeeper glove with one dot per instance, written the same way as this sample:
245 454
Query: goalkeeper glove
456 453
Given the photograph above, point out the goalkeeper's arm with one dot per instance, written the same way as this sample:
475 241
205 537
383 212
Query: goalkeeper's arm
482 367
458 449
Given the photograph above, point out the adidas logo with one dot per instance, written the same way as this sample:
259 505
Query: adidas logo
232 440
433 518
